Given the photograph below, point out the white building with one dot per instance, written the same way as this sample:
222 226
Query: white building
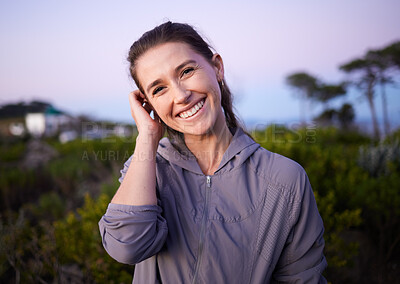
47 123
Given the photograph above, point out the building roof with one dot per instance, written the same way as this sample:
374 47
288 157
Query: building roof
22 108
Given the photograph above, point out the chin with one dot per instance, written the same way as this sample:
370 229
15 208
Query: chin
197 128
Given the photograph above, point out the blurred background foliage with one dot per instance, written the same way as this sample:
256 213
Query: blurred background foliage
49 214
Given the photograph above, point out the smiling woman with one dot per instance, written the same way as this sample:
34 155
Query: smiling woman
206 204
176 79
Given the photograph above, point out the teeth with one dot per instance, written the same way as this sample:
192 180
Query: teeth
192 111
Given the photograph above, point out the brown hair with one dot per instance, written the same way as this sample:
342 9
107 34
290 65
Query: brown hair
178 32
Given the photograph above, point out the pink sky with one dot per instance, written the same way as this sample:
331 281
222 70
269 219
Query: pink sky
72 53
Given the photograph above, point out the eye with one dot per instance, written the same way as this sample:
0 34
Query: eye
157 90
187 71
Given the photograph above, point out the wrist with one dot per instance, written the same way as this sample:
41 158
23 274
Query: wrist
149 141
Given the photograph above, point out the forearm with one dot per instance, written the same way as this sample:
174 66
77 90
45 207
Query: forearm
131 234
139 184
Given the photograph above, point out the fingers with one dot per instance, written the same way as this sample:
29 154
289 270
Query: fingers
133 99
136 101
141 110
136 98
140 107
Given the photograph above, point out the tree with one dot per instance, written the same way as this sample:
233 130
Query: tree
327 117
345 116
375 68
365 81
325 93
380 63
392 53
306 85
386 60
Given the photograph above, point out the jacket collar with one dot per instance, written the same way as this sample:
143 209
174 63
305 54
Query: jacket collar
240 148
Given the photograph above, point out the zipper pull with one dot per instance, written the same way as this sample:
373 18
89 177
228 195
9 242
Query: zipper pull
208 181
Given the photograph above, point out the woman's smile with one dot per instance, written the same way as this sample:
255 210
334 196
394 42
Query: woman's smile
193 110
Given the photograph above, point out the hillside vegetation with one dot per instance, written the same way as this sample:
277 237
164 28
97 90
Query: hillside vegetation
49 211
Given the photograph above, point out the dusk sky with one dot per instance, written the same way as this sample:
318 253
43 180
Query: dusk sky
73 53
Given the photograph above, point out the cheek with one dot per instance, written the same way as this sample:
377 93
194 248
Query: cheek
208 87
161 106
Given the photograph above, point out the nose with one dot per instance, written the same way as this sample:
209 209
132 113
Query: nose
181 95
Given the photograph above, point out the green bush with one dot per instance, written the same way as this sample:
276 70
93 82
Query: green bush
27 251
79 242
355 182
12 152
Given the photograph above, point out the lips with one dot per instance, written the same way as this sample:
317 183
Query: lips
192 111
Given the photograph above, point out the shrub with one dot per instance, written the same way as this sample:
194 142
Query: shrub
79 242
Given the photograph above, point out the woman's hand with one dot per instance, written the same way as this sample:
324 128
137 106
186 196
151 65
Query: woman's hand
139 184
148 127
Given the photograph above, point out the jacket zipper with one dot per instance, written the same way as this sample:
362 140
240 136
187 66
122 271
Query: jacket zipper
202 229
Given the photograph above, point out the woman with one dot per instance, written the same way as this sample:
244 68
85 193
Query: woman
207 204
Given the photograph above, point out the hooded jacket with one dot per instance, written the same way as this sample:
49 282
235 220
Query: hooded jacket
254 221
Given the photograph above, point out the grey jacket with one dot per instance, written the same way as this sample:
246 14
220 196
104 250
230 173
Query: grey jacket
254 221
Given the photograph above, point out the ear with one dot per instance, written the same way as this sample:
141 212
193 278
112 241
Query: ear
218 66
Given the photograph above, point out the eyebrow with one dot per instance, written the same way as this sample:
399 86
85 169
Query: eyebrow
180 66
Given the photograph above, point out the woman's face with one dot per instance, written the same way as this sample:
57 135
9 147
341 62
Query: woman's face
182 86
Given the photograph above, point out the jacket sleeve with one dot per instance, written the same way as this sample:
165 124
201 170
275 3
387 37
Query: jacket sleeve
302 259
131 234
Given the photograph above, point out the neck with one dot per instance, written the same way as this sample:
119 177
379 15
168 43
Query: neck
209 148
